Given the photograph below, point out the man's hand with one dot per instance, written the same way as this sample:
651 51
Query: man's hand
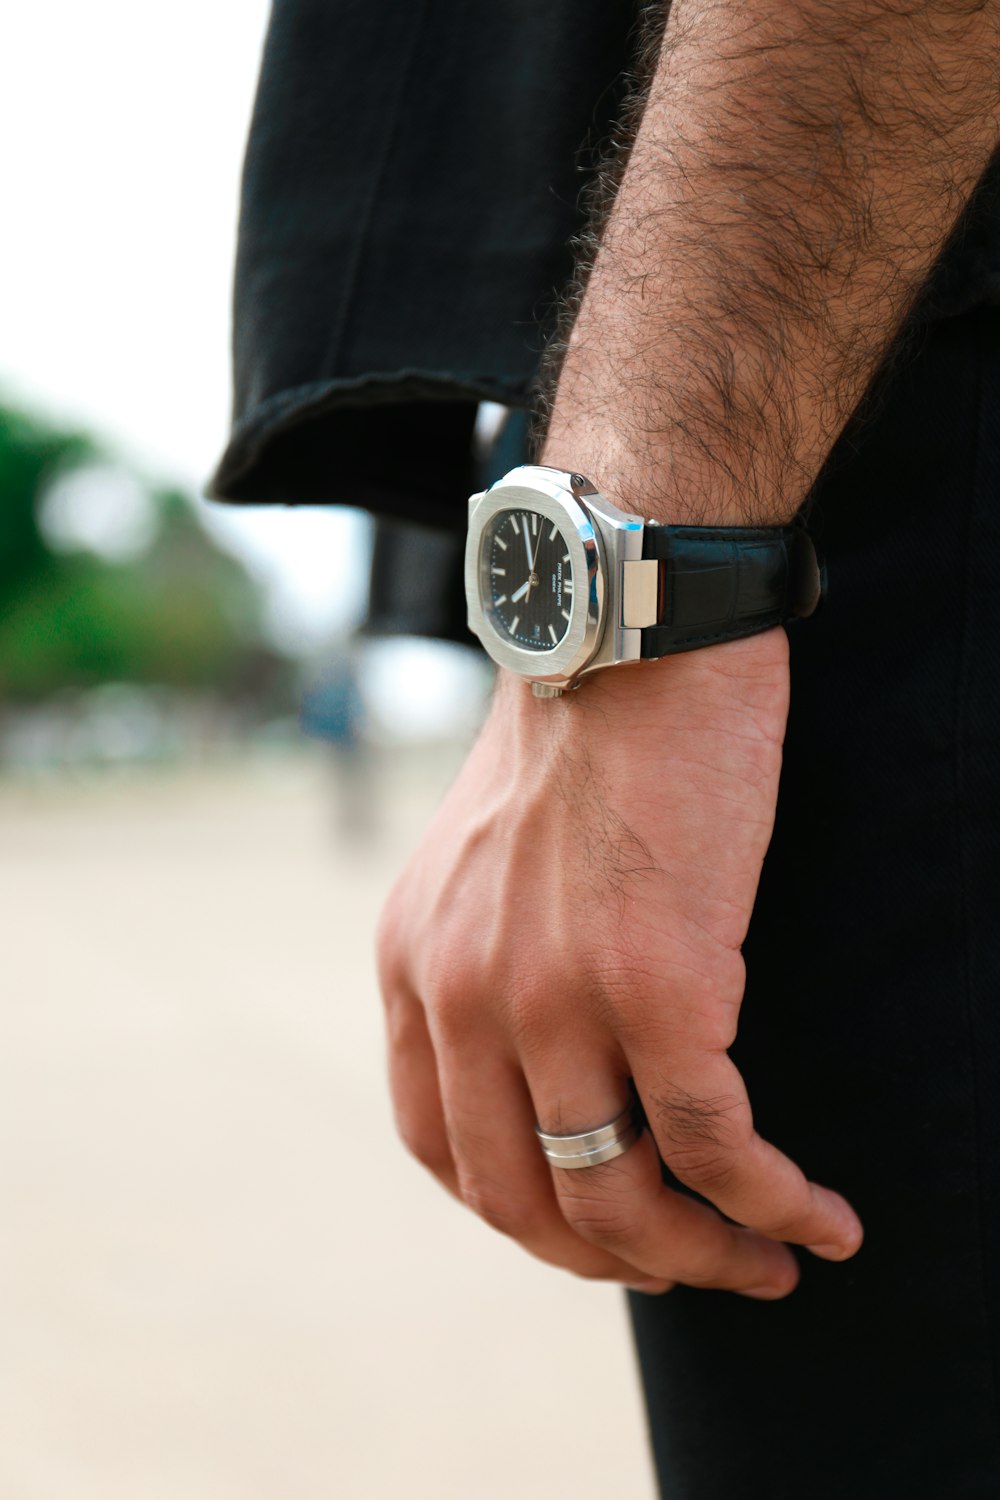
573 919
575 914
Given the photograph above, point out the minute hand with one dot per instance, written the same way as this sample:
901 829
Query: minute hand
538 543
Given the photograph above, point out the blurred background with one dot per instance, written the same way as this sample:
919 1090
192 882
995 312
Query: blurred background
207 786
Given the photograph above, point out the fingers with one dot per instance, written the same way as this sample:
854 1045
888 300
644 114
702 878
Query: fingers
622 1205
701 1119
512 1190
472 1125
413 1083
503 1175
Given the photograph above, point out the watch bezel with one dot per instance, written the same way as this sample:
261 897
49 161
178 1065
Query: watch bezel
553 497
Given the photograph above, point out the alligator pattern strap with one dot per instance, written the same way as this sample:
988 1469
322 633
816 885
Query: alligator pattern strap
719 583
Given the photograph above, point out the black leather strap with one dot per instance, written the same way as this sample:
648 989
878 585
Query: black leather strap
718 583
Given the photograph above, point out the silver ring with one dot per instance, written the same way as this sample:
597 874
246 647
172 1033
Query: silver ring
591 1147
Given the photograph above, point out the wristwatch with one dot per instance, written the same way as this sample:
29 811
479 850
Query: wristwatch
560 582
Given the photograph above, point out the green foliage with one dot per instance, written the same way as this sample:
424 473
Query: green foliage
31 455
184 614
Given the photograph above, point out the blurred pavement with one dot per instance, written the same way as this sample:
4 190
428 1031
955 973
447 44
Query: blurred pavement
221 1278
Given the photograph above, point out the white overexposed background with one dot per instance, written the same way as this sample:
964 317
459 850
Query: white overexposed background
123 128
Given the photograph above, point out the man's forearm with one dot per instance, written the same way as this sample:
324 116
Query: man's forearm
796 171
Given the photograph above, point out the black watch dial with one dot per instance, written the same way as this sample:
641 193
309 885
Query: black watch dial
527 579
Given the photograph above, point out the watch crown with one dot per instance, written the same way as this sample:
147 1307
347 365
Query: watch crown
545 690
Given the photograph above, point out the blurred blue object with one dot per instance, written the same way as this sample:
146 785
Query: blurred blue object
333 709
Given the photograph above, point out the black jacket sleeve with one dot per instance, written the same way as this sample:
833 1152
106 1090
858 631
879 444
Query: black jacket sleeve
412 183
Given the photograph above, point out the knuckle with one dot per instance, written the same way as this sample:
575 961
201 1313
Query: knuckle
455 988
710 1168
707 1259
602 1221
532 1017
786 1225
428 1147
448 1002
775 1229
695 1020
702 1138
388 948
525 1011
496 1207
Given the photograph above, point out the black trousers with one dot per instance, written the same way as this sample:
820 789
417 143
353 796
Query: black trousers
870 1032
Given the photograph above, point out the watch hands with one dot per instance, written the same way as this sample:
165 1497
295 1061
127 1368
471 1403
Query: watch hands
524 591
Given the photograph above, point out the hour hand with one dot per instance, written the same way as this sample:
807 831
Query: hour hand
516 597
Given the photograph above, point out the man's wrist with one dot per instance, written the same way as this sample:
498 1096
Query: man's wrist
669 486
632 697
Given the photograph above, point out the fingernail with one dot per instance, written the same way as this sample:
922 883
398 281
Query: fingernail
833 1252
765 1293
651 1288
844 1218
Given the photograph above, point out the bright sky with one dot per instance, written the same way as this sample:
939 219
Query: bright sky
124 129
